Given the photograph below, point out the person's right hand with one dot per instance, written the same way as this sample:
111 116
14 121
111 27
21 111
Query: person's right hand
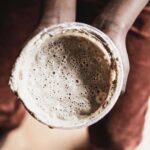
15 28
11 110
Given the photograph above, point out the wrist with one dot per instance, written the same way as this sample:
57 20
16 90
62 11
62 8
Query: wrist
118 16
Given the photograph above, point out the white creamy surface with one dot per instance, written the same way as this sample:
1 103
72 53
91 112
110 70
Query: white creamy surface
63 81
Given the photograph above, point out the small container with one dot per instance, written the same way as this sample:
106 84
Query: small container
116 72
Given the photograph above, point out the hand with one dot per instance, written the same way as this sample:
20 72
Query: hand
118 129
118 37
115 21
18 26
56 11
11 110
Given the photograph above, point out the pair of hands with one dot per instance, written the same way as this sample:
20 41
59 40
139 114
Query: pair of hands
114 21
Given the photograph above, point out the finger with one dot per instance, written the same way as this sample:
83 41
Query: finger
13 120
57 11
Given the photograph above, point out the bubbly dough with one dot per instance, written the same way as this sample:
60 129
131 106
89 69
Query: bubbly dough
66 77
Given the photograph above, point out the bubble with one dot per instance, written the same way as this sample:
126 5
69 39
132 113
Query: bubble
77 81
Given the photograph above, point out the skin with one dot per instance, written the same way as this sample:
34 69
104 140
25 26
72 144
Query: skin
116 130
56 12
11 110
116 20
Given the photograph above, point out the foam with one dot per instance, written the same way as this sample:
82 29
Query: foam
66 77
